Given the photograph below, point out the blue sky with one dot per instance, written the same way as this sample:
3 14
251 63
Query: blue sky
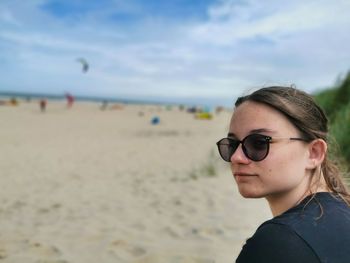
180 50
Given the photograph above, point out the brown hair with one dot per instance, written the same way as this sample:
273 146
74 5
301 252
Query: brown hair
303 112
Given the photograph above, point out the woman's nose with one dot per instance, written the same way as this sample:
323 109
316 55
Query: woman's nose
239 156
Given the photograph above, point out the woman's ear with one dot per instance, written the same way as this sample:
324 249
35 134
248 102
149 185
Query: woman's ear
317 152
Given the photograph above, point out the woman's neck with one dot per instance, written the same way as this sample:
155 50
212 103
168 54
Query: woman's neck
281 202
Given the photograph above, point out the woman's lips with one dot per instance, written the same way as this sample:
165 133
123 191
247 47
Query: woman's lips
243 174
244 177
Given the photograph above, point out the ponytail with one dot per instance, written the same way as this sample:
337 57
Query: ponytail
334 180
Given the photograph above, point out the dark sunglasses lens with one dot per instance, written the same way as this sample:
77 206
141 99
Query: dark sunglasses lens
226 148
256 147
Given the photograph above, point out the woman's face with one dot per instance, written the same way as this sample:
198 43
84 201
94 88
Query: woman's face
284 169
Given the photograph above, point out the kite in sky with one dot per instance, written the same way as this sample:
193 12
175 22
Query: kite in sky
84 63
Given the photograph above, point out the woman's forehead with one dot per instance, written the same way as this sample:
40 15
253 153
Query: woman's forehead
256 111
250 116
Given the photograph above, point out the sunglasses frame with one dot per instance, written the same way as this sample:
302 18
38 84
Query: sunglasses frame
268 140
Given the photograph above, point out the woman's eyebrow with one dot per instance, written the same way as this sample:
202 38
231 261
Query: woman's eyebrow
262 130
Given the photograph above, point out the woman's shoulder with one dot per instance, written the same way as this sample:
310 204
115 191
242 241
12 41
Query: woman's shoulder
274 242
317 210
318 228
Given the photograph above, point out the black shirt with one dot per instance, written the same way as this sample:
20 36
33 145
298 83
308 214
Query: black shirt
317 230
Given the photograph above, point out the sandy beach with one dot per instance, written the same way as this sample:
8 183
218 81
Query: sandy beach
85 185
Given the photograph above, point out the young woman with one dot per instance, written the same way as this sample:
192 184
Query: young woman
277 148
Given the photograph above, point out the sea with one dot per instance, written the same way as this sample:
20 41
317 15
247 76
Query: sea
209 103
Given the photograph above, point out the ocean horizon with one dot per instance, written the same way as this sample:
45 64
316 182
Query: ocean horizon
189 101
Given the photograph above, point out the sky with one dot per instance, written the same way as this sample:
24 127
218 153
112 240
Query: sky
172 50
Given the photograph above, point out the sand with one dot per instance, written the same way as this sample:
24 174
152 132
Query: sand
86 185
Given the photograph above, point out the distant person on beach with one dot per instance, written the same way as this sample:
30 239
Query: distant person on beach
43 104
104 105
277 148
13 102
70 100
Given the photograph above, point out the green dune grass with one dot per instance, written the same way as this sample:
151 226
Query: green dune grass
336 103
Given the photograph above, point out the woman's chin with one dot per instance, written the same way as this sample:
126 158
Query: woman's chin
249 193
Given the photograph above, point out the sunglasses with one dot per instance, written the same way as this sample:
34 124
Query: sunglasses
255 146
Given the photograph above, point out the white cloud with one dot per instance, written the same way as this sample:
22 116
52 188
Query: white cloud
245 21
